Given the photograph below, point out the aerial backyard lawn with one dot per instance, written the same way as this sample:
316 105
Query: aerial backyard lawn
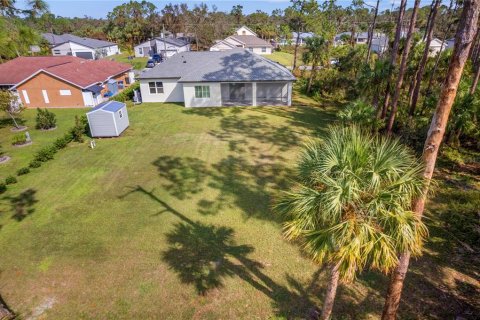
173 220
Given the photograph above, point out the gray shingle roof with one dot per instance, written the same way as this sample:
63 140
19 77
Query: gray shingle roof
55 39
251 41
173 41
235 65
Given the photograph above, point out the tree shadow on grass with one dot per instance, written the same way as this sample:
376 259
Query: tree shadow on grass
8 122
206 255
22 205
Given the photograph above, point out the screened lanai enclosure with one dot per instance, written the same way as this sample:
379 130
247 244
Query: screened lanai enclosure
254 94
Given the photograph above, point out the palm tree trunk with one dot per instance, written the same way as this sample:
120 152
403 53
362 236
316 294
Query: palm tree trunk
465 34
370 35
331 293
423 61
312 75
296 50
403 67
393 57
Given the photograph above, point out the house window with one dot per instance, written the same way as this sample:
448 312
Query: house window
264 49
250 49
156 87
202 91
65 92
120 114
140 51
56 51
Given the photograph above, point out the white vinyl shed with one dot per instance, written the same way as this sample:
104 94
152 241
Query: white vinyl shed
108 119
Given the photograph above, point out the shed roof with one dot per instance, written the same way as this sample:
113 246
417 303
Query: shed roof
57 39
111 106
234 65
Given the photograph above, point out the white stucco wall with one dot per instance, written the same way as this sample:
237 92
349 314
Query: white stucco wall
79 48
215 99
259 50
172 91
142 46
62 49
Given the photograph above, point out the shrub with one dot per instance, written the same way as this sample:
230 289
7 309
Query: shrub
361 113
35 164
10 180
79 129
127 94
45 119
61 142
3 187
19 138
45 154
22 171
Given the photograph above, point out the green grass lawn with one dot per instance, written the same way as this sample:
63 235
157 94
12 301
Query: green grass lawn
137 63
173 220
21 156
284 58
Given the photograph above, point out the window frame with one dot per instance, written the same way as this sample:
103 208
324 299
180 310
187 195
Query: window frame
264 49
65 92
202 92
157 89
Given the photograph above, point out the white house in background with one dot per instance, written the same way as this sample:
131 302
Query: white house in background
234 77
167 47
87 48
450 43
436 45
302 38
379 40
245 38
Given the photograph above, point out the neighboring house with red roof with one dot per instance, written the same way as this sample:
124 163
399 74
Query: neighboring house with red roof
244 37
64 81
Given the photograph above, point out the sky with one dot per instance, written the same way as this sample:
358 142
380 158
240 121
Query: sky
100 8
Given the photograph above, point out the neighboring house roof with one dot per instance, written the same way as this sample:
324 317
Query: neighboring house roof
79 72
56 40
225 43
247 29
236 65
110 106
172 41
251 41
303 35
436 43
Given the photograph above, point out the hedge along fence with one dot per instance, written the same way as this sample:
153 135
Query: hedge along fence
126 95
47 153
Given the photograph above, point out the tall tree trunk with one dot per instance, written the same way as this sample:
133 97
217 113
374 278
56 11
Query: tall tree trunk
463 41
296 50
331 293
439 54
5 312
423 62
473 88
403 67
312 75
372 31
393 58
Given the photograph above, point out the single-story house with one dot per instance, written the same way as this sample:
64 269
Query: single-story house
87 48
167 47
245 38
379 40
218 78
64 81
108 119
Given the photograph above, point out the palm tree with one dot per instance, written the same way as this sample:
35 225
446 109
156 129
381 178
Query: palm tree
351 208
316 54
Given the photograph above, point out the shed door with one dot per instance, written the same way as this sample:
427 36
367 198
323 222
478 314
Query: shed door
84 55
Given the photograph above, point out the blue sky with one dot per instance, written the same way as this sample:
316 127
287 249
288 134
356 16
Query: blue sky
100 8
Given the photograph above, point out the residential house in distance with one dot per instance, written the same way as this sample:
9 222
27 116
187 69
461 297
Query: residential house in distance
245 38
64 81
379 40
436 45
167 47
87 48
234 77
302 38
